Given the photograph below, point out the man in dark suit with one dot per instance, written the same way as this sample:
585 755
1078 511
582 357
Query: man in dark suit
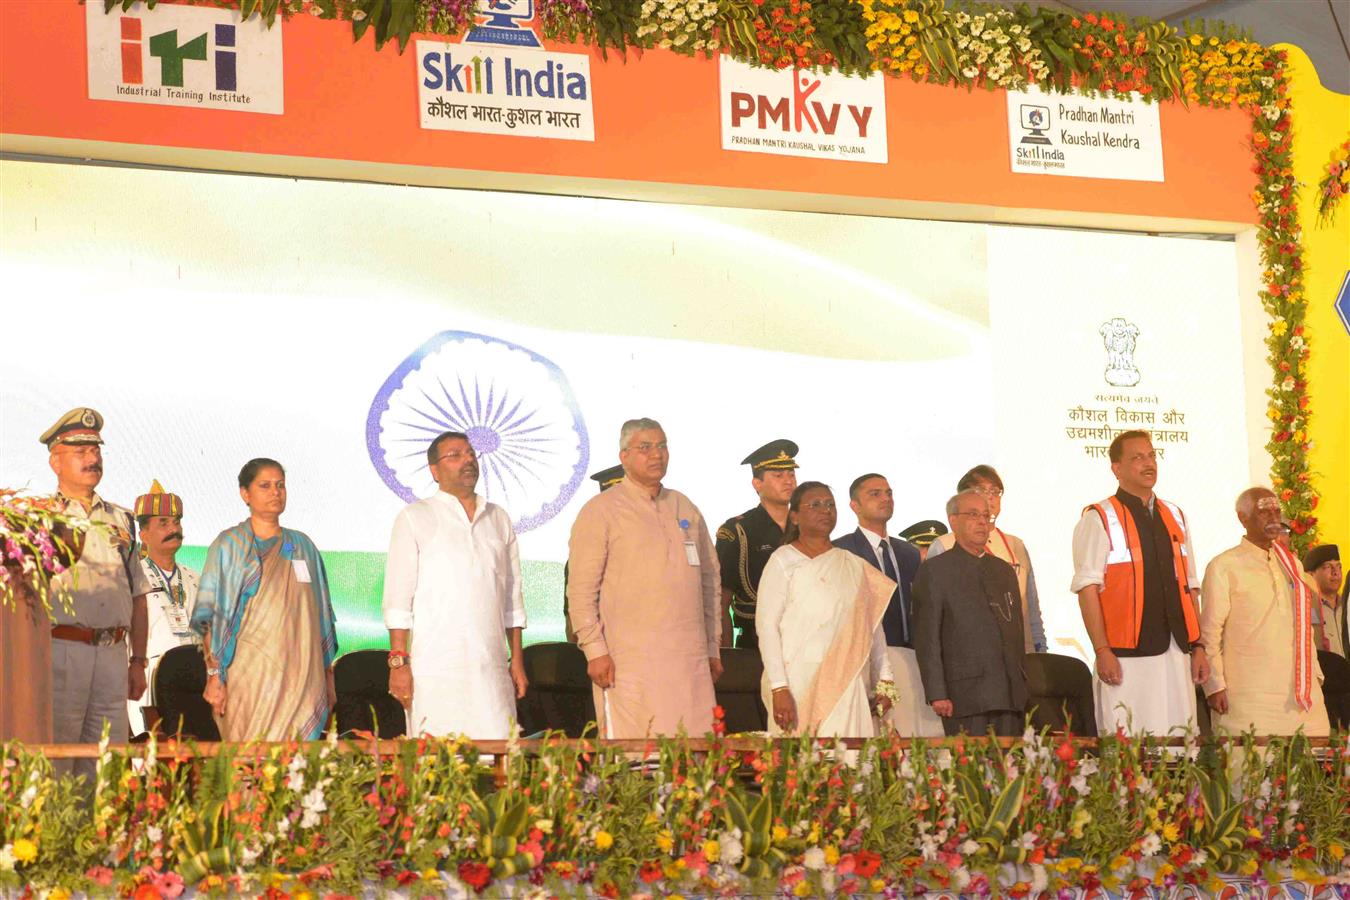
968 629
872 501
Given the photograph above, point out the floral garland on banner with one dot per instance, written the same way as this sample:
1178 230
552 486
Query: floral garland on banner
729 817
973 45
1334 185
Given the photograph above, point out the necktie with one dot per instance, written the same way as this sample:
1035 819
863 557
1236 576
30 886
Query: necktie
888 567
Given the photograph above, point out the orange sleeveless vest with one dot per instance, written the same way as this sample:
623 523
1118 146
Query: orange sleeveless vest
1122 595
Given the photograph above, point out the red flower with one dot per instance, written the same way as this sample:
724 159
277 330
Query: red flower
475 875
650 871
866 863
145 892
1065 751
1075 23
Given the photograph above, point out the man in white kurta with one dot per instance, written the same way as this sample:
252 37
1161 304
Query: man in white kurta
1256 636
453 605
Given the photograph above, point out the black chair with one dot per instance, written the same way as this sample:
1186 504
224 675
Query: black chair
363 699
738 690
559 698
1336 687
180 679
1059 692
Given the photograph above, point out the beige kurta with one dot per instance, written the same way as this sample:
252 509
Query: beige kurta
636 594
1247 627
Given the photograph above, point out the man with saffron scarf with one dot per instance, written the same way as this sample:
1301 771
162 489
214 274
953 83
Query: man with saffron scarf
1257 623
267 621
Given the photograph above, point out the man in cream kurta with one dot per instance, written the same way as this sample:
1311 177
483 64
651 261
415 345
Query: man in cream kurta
643 594
1248 624
452 578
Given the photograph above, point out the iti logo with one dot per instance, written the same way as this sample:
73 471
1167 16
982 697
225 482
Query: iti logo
505 24
1035 121
166 47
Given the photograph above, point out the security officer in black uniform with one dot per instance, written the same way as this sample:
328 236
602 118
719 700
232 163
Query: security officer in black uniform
745 542
606 478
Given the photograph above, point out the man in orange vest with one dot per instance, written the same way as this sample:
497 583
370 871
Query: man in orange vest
1134 573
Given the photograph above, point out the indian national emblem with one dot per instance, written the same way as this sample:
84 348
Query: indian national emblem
1119 336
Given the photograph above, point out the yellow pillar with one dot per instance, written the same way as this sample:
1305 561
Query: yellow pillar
1321 124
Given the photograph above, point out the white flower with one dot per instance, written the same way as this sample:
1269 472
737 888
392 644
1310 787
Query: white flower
730 850
29 795
814 858
1039 880
155 835
970 847
7 860
1199 859
1150 845
249 854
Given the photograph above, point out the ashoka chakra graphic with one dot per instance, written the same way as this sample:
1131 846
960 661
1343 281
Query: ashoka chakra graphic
515 406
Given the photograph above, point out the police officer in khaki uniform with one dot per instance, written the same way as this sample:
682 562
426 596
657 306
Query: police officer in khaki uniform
745 542
93 674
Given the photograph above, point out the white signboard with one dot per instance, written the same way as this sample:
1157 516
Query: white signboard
794 112
492 89
184 56
1065 134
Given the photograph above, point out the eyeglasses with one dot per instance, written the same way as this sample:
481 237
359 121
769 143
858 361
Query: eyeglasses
819 505
988 491
456 454
648 447
976 516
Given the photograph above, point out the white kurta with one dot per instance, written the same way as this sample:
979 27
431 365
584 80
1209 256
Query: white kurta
169 627
1247 625
456 584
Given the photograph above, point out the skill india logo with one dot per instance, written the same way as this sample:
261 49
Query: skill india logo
1035 121
504 23
514 405
174 53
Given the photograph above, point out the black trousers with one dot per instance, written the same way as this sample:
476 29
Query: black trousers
1006 723
746 636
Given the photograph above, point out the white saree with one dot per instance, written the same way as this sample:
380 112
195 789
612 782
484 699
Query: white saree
819 623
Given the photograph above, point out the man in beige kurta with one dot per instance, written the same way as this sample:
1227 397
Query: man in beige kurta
643 598
1247 625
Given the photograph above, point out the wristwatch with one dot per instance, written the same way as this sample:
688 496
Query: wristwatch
398 659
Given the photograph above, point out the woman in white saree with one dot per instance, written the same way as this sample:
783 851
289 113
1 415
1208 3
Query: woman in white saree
819 621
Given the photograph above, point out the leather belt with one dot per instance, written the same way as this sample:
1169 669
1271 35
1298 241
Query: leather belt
98 637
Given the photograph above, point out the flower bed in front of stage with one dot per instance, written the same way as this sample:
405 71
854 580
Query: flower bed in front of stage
727 816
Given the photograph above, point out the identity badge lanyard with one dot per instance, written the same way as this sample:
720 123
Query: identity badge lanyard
690 548
177 609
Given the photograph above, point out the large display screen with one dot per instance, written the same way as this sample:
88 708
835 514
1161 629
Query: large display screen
338 327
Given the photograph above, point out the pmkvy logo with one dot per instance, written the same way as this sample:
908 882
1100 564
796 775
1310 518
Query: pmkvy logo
793 112
184 56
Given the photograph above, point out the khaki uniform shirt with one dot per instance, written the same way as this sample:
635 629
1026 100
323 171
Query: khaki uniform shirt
108 575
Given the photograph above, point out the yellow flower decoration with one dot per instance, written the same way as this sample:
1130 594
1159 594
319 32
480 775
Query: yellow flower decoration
25 851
